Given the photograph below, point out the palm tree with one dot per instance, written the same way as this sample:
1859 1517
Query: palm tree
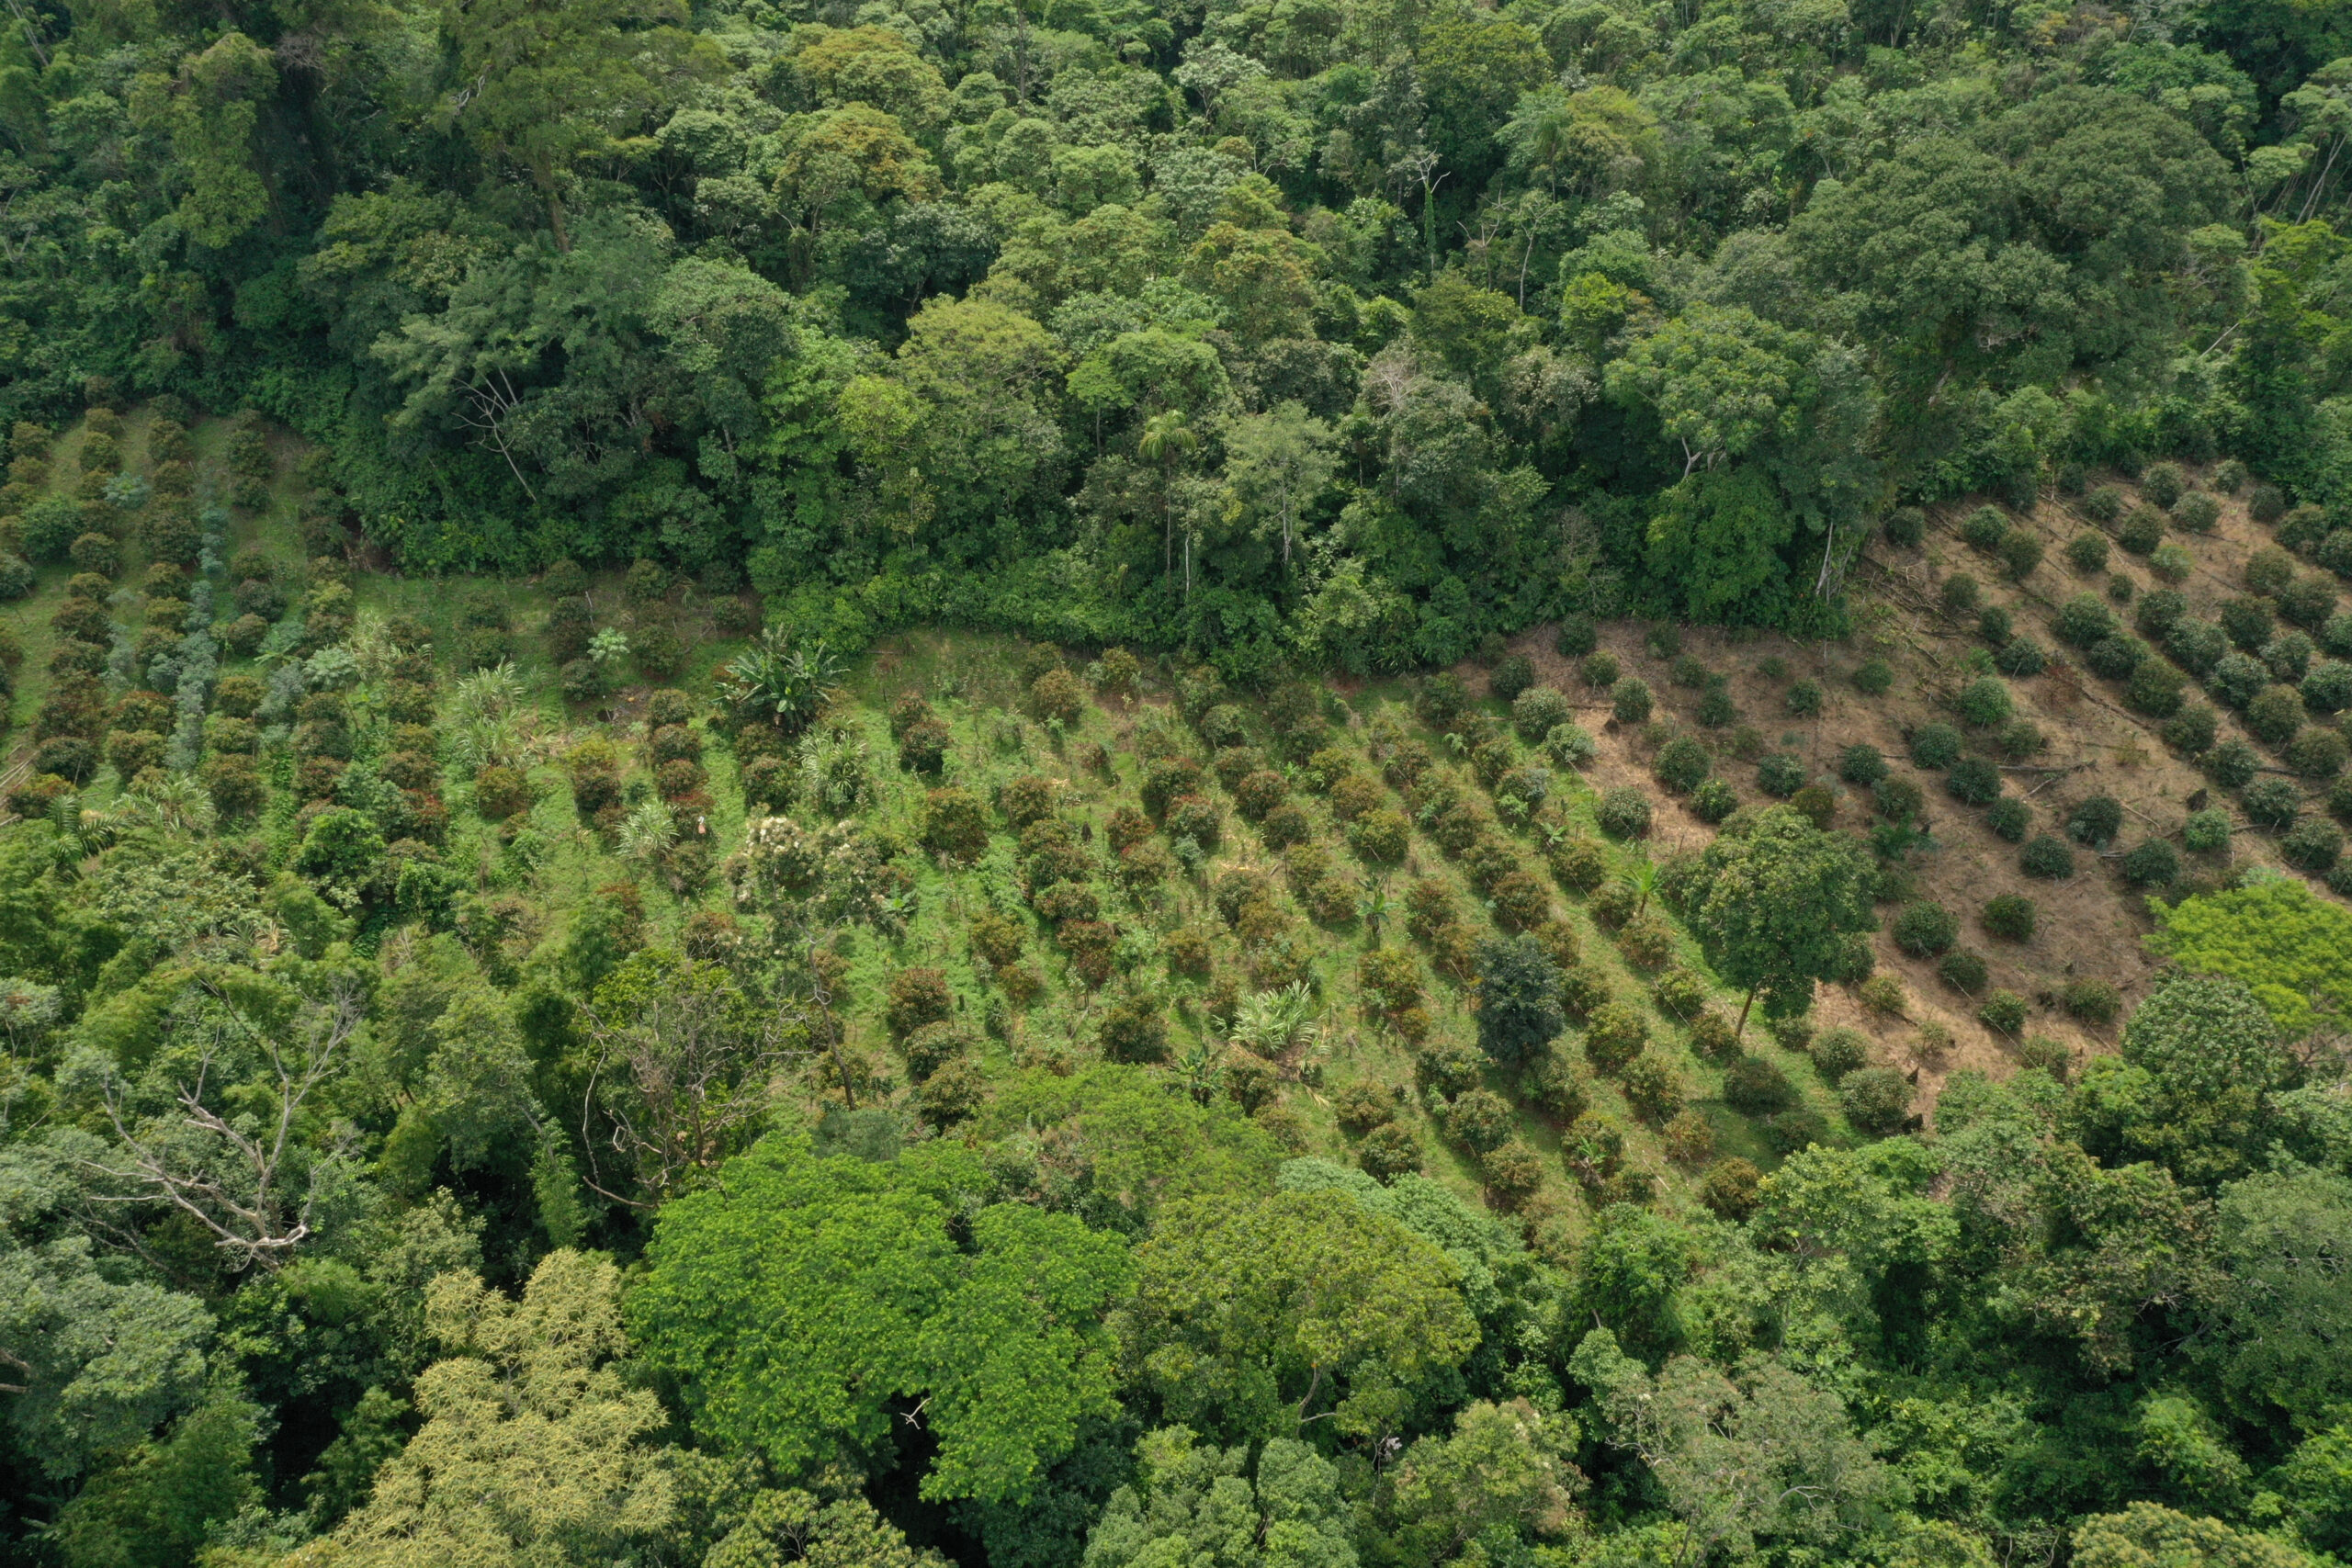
785 685
1371 908
1643 880
1166 440
1268 1021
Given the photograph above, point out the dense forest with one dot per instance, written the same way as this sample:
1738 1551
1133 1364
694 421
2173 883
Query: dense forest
1249 785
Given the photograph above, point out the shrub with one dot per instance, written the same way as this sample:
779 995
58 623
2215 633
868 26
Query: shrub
2172 564
2002 1012
1973 781
2155 864
2268 571
1578 636
1654 1090
234 785
2021 553
2020 658
2232 764
1877 1101
2206 832
1803 699
2104 504
2312 846
2156 690
1883 994
2010 819
1817 804
2143 530
2198 647
2275 715
1905 528
1960 594
1924 930
1680 763
1536 710
2115 658
1985 702
1861 765
1780 776
1872 677
2317 753
2266 505
1754 1087
2086 553
916 997
1935 746
1389 1151
1899 800
2309 603
1630 699
2084 621
2009 915
1995 625
1512 677
2047 859
954 824
2192 730
1570 745
1599 669
1837 1052
1057 697
1624 812
1713 801
2163 483
1578 862
2273 803
2248 622
2096 821
2327 687
1984 528
1964 971
1614 1035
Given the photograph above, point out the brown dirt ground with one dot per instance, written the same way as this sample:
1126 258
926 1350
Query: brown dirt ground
2091 926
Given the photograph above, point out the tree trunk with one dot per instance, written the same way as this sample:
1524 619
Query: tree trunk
1750 1002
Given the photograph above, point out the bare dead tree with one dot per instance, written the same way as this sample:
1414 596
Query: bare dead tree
490 403
228 1172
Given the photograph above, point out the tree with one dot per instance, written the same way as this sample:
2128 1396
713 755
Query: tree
1519 1002
554 82
798 1298
533 1445
1503 1476
1252 1314
90 1364
683 1071
2146 1532
1188 1501
2281 1307
1772 904
1759 1454
1276 463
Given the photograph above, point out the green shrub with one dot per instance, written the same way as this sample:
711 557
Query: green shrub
1935 746
2250 623
1538 709
2010 819
1985 702
2020 658
1598 669
2096 821
2021 553
1973 781
1861 765
1905 528
1780 776
2317 753
2275 715
1877 1101
1897 799
1964 971
1925 929
1512 677
2312 846
2273 803
2010 916
2084 621
1960 594
2086 553
1713 801
2047 859
2155 864
2002 1012
2206 832
1872 677
1630 699
1578 636
1984 528
1624 812
2267 504
1754 1087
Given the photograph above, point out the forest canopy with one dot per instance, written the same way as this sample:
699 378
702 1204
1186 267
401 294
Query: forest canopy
1350 334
